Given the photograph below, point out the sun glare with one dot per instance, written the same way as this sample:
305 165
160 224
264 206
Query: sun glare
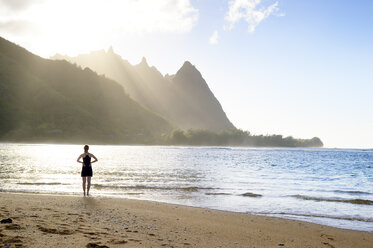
74 27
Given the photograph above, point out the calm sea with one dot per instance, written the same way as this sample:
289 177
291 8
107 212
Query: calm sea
327 186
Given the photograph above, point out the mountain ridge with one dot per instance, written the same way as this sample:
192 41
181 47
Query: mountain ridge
171 96
45 99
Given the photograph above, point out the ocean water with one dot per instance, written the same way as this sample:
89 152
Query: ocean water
326 186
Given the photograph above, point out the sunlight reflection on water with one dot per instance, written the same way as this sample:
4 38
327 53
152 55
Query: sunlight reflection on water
327 186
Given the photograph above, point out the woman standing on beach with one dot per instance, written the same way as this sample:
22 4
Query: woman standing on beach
87 172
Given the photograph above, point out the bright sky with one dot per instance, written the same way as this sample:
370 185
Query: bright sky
293 67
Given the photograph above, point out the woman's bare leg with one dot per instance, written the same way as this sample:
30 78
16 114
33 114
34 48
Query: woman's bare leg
84 180
89 184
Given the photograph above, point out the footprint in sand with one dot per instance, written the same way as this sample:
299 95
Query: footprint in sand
327 236
329 245
72 214
94 245
55 231
13 240
6 221
13 227
134 240
118 242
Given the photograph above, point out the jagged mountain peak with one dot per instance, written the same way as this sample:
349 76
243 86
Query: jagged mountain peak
110 50
187 64
144 62
188 68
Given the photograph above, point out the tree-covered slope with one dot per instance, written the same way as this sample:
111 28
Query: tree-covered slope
46 100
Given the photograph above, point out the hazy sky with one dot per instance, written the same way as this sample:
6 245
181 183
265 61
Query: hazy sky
293 67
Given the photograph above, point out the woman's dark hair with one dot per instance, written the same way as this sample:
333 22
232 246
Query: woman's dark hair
86 147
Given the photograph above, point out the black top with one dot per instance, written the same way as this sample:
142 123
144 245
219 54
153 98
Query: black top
87 160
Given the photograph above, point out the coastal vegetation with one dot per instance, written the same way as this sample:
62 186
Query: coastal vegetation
236 137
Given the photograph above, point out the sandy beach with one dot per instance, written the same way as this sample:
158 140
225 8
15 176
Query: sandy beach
74 221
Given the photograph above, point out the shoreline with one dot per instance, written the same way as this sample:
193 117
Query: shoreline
281 215
192 146
41 220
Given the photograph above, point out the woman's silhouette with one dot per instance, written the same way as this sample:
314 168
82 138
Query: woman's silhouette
87 172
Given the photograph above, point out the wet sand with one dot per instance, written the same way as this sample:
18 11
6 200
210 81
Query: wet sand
72 221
